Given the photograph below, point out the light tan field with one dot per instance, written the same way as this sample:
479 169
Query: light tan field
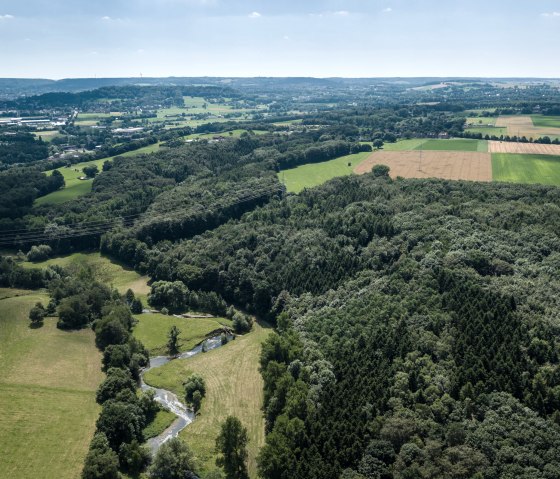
523 126
450 165
523 148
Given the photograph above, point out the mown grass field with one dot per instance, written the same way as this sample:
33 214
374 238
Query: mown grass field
454 145
105 270
234 387
514 168
74 186
152 329
482 121
308 176
489 130
161 422
48 381
546 121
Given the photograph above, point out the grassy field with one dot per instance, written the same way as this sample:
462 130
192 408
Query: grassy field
526 168
546 121
454 145
47 394
104 269
152 330
161 422
227 134
308 176
234 387
403 145
489 130
46 135
482 121
76 187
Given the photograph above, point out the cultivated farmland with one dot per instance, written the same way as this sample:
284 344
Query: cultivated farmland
523 148
526 168
523 126
451 165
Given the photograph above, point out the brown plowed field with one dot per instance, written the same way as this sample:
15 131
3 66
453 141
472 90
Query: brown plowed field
523 148
523 126
450 165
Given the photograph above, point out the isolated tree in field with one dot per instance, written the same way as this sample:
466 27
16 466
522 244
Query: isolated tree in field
378 143
232 445
37 314
174 460
90 171
196 400
194 383
173 341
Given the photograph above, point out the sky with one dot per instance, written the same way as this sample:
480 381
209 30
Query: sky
321 38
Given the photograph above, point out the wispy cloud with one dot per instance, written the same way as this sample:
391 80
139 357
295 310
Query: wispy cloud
551 14
255 15
6 17
387 10
342 13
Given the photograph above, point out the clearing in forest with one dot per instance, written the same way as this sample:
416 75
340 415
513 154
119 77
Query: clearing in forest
512 168
234 386
47 393
450 165
523 148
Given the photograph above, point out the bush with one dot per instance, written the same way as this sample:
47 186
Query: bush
39 253
136 307
380 170
242 323
174 460
194 383
90 171
37 314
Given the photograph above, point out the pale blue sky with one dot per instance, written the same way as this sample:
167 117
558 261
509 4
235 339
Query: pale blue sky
322 38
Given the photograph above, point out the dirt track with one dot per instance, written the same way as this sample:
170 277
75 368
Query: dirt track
523 148
451 165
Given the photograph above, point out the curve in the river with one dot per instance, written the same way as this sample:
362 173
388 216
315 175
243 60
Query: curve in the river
169 400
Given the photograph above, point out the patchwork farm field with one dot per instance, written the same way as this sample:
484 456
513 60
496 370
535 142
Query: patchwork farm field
546 121
454 145
524 126
523 148
233 387
451 165
513 168
47 393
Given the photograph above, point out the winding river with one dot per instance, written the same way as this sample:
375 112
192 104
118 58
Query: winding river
169 400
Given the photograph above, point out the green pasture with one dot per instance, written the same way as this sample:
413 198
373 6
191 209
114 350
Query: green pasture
454 145
513 168
233 387
48 381
152 329
546 121
314 174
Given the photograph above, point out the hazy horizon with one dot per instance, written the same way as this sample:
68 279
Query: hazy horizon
250 38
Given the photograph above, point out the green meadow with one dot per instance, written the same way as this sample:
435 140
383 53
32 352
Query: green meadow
47 393
314 174
546 121
514 168
454 145
152 329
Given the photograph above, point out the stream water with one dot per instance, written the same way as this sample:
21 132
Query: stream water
169 400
